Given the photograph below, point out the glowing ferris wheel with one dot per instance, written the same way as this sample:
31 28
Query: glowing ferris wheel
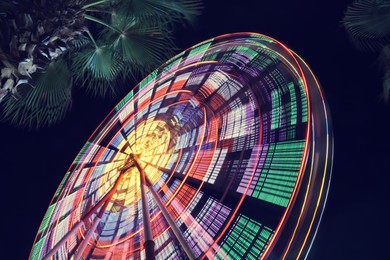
224 152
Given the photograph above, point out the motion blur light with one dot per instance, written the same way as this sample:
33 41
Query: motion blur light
234 148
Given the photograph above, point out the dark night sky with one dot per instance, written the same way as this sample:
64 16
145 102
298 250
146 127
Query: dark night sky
355 224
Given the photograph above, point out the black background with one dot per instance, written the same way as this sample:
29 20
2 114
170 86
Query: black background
355 224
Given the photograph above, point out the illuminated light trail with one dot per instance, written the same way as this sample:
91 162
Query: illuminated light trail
233 140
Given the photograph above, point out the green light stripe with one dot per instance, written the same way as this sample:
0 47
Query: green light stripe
82 152
261 61
304 102
262 37
289 108
210 56
280 80
172 63
64 180
46 218
286 165
293 104
142 84
280 170
199 49
275 109
148 79
36 252
250 52
124 100
246 240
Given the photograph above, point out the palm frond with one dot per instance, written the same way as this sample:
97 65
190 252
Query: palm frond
122 22
96 3
102 41
161 10
368 23
80 42
97 69
143 43
44 104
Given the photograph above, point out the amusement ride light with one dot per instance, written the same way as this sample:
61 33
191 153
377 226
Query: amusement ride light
224 152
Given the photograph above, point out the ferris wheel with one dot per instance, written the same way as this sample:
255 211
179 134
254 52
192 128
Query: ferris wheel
224 152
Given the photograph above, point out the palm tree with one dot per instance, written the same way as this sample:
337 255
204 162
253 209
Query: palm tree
47 46
368 25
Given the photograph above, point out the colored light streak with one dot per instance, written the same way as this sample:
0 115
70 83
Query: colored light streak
230 125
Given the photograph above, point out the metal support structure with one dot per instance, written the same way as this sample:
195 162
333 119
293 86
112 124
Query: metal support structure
89 234
103 203
105 200
172 223
148 236
179 236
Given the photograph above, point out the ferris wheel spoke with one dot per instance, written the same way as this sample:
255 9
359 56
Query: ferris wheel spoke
178 234
102 204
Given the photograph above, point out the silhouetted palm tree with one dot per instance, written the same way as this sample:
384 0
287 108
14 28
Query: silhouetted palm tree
46 46
368 24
